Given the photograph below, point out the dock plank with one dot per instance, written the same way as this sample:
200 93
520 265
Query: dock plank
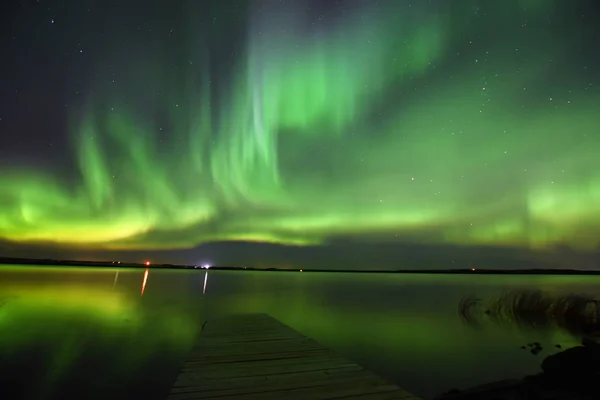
255 356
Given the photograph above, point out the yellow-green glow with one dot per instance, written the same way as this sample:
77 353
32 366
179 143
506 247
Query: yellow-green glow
389 121
100 303
105 306
68 328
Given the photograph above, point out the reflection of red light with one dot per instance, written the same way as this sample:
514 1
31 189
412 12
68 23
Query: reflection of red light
145 280
147 262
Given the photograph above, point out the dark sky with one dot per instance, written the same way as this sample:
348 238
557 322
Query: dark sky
279 132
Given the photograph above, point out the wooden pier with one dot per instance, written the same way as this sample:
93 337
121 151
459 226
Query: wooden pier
256 357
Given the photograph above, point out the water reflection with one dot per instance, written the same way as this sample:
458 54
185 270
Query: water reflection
116 278
578 314
404 327
76 334
146 273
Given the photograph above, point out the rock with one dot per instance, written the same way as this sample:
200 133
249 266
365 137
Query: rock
591 343
531 378
576 362
570 374
452 391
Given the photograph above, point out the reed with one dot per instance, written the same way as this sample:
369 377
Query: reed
578 314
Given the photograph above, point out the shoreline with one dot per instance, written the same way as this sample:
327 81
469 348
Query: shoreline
463 271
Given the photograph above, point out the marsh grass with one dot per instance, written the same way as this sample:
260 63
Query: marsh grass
579 314
469 309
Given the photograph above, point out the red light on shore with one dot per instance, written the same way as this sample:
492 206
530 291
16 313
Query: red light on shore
472 269
147 263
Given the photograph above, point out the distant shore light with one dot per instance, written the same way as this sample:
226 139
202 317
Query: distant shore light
206 266
147 263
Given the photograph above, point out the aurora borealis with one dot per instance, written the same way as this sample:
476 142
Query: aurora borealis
168 125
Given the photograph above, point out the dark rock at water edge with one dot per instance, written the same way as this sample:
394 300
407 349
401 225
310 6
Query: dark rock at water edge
576 362
572 374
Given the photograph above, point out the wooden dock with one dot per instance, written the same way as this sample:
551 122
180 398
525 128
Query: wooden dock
254 356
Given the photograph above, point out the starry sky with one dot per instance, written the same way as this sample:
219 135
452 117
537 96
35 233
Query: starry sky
168 126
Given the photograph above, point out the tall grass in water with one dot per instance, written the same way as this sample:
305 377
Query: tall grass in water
579 314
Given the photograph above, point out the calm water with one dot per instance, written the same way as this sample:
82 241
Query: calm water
107 333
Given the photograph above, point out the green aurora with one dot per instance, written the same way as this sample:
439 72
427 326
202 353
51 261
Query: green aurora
442 124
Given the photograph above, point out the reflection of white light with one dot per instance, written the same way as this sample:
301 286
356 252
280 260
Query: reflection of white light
205 280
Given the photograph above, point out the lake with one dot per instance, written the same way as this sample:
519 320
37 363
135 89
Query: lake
96 333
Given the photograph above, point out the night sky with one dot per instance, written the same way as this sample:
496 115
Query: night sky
280 132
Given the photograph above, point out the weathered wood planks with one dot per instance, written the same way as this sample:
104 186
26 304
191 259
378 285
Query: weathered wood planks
255 357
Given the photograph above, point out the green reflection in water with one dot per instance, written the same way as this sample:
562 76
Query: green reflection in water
72 338
403 327
95 328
